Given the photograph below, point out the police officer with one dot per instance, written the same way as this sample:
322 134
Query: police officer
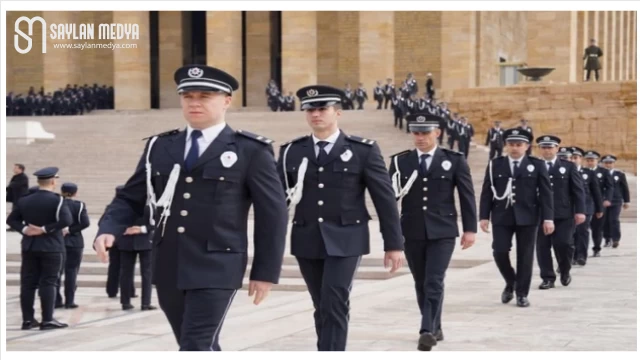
620 199
524 126
606 190
113 271
361 96
565 154
568 211
465 133
200 242
495 140
74 243
40 217
399 110
136 241
592 55
516 193
593 201
330 232
389 92
378 94
424 180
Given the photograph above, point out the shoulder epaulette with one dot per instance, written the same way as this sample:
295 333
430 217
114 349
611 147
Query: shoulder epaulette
400 153
451 151
256 137
295 140
360 140
166 133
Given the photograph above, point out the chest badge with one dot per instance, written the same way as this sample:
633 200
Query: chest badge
346 156
599 175
585 176
616 178
228 158
530 168
562 170
446 165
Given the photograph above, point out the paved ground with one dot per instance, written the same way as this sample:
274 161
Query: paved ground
596 312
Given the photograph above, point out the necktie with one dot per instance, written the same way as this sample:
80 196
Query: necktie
194 151
321 153
515 167
423 163
549 165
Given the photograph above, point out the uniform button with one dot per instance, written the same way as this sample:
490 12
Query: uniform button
424 208
321 169
345 169
294 222
424 189
184 212
357 221
228 249
320 202
320 220
221 178
425 179
550 176
424 198
187 196
321 186
189 179
180 229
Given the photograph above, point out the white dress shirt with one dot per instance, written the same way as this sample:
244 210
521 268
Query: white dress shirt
429 159
331 140
552 161
208 135
511 160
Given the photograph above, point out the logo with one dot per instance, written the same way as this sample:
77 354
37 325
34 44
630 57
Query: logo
546 138
28 37
312 92
195 72
515 132
421 119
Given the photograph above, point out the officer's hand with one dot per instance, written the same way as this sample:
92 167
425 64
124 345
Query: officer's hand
579 218
467 240
606 203
484 225
102 245
260 289
599 215
33 230
133 230
65 231
394 258
625 206
548 227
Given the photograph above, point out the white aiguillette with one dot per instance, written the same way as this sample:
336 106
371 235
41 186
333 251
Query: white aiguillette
228 158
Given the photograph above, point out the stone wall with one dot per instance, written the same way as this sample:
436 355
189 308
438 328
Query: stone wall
601 117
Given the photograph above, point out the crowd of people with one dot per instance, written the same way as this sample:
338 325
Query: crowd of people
75 100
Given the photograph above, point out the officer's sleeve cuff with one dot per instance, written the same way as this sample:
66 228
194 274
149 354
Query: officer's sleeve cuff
549 221
143 229
44 228
24 229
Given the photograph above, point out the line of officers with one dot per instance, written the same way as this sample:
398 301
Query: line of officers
52 247
74 100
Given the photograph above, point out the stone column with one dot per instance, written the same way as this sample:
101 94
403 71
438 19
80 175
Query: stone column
607 48
258 56
614 45
299 49
61 66
132 65
634 39
620 45
376 50
573 45
170 53
458 51
224 46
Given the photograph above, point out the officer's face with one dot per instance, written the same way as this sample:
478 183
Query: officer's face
576 159
202 109
16 170
548 152
324 118
516 149
425 141
591 163
608 165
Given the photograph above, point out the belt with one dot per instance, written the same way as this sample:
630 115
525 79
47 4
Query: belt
593 55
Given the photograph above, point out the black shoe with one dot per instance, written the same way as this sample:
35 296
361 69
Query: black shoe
565 279
596 253
616 244
522 301
148 307
59 306
574 262
507 295
546 285
581 262
30 324
127 306
427 341
439 335
71 306
52 325
134 296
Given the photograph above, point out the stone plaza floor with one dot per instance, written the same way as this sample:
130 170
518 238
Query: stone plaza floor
596 312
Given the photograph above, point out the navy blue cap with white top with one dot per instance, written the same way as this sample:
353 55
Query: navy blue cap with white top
591 154
423 122
518 134
609 158
319 96
548 140
204 78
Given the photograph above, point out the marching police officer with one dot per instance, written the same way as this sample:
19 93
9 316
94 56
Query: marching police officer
568 211
40 217
361 95
424 180
378 94
606 190
516 192
593 202
620 199
136 241
389 92
399 110
465 134
325 175
495 140
200 241
565 154
113 271
74 244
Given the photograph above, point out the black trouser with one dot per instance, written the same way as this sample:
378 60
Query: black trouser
387 100
441 137
397 119
127 274
597 227
589 74
525 245
581 240
561 240
428 261
360 102
59 301
494 151
611 228
72 260
329 282
196 316
39 270
113 275
379 100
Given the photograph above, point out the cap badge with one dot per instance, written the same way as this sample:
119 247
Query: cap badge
195 72
546 138
515 132
312 92
421 119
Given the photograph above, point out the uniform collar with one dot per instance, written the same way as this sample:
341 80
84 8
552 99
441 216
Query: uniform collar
552 161
519 160
431 153
331 139
210 133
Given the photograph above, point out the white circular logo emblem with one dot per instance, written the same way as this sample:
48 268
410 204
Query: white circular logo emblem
546 138
515 132
195 72
312 92
421 119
